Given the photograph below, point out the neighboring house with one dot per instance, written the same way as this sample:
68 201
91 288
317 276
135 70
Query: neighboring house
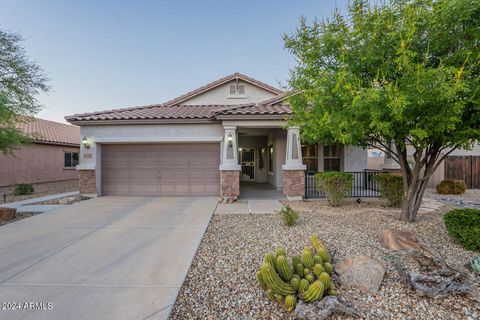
203 143
460 164
52 156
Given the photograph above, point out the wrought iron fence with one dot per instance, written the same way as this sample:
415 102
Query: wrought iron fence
363 185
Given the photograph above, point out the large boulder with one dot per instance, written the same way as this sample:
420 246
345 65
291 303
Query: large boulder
398 240
361 272
7 214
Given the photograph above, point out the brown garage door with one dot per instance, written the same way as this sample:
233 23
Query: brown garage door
161 169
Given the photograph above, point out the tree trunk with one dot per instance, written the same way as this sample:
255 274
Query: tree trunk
411 203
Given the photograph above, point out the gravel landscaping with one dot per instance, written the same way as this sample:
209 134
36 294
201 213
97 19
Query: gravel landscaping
41 189
470 199
221 281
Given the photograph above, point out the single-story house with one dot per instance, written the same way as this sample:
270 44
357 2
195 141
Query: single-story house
52 156
203 143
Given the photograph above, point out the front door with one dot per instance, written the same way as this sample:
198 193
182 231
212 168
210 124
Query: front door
247 161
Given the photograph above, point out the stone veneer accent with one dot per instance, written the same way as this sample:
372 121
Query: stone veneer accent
87 181
229 184
294 183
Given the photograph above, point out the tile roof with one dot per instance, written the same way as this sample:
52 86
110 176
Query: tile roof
257 109
50 132
173 109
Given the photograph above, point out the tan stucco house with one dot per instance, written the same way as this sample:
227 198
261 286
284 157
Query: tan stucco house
203 143
52 156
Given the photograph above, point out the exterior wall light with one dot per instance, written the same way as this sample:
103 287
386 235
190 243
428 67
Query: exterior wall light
230 139
85 143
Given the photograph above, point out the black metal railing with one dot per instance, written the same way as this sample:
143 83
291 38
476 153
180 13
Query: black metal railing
363 185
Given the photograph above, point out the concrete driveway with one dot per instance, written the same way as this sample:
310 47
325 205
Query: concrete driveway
105 258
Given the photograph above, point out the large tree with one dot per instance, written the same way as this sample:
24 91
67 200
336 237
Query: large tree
21 80
400 75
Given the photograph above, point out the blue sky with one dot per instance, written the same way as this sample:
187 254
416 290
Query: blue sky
112 54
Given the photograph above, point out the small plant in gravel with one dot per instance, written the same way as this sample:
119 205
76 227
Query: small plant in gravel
335 185
464 225
475 264
23 189
391 187
289 215
307 278
451 186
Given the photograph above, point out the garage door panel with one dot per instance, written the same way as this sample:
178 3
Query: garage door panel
115 161
161 169
144 161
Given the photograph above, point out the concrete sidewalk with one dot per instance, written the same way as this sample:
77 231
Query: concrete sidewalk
29 205
250 207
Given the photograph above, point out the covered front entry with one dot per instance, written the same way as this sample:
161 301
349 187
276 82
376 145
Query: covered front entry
260 159
176 169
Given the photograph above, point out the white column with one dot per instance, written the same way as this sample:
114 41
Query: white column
293 157
230 149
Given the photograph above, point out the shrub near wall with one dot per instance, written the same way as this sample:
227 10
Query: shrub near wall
450 186
335 185
391 187
464 225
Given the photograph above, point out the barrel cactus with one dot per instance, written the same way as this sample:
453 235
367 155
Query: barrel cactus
332 292
307 259
324 255
310 278
279 298
307 277
260 281
283 268
303 285
274 282
280 252
318 269
325 279
317 244
271 259
328 267
295 262
290 303
300 270
295 283
270 294
314 292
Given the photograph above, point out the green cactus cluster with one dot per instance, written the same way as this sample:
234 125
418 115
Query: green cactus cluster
307 277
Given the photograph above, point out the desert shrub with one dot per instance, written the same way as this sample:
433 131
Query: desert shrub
335 185
23 189
391 187
451 186
289 215
464 225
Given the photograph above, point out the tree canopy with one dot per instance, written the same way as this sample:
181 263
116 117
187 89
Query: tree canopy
406 71
21 80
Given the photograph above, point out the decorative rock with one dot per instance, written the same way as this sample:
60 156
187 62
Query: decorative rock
397 240
323 309
361 272
7 214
